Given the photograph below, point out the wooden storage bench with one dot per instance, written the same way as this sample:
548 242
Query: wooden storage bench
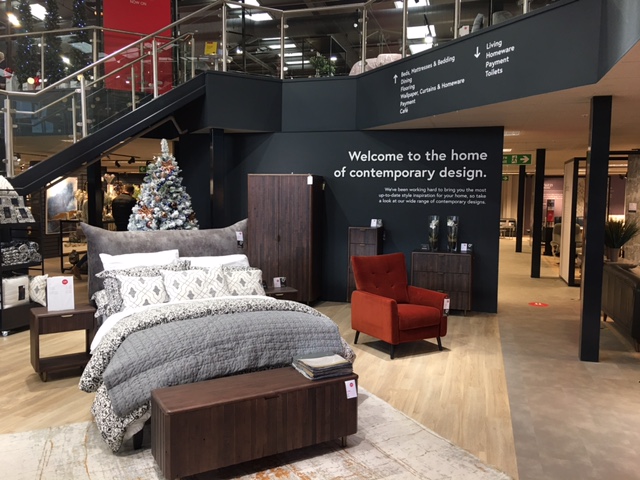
213 424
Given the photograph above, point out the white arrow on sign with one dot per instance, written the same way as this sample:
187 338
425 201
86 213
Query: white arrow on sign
477 54
395 79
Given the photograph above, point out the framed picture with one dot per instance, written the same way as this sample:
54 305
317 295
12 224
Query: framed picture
60 201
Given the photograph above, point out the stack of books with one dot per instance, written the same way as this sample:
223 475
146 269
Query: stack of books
316 366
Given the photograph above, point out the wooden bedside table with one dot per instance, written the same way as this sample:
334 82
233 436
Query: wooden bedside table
282 293
44 321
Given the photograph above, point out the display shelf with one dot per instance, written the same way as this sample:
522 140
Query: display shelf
16 317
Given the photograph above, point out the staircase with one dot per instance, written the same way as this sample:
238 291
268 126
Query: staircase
144 119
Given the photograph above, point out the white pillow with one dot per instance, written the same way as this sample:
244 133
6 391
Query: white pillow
129 260
243 280
238 259
194 284
141 291
15 291
38 289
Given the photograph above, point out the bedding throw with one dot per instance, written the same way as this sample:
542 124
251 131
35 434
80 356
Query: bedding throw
201 348
197 341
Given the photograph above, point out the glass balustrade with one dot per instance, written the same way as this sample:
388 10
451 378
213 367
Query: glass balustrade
53 102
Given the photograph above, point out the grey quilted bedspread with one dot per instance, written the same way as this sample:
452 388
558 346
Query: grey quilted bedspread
183 343
199 349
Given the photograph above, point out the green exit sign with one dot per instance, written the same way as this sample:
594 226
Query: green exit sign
505 178
142 169
522 159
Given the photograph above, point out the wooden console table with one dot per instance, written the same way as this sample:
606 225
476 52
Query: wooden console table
216 423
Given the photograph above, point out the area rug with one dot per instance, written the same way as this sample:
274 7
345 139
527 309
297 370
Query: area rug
388 445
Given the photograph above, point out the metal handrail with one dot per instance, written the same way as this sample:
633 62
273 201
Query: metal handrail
155 49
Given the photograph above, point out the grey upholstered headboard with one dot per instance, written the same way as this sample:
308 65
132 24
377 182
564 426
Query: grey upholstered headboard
190 243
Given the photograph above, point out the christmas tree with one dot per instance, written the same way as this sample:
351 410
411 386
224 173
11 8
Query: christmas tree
163 203
27 59
53 65
79 59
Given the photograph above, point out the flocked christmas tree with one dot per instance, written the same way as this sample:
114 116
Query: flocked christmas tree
53 65
163 203
27 58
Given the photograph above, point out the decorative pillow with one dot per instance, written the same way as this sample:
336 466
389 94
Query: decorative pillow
38 289
101 299
15 291
111 285
191 243
141 291
238 260
194 284
130 260
243 280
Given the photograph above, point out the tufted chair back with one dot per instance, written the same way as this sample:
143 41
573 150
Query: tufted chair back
384 275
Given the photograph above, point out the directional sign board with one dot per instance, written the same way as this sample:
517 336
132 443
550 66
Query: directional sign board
484 68
517 159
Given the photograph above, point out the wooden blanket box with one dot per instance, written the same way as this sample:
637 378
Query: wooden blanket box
225 421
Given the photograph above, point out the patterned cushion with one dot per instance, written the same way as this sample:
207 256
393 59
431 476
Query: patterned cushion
38 289
111 284
194 284
243 280
141 291
101 300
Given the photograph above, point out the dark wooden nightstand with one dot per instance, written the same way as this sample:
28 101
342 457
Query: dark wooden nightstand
44 321
282 293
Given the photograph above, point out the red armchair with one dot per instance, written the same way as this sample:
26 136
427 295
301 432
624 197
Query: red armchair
386 307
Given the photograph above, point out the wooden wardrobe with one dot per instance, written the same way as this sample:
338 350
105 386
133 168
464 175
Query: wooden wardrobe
284 230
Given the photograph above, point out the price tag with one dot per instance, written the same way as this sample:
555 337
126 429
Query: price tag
352 389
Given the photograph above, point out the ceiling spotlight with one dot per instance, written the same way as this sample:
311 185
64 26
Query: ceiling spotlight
131 160
117 164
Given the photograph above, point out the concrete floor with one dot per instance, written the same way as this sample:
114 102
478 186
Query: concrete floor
571 419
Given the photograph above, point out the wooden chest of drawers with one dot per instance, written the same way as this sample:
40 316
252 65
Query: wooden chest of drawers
451 273
363 241
213 424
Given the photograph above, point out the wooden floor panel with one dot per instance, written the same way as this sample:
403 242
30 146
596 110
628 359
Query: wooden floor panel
460 393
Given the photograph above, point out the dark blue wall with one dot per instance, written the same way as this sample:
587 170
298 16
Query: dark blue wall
351 200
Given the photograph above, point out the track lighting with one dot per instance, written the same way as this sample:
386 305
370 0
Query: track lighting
131 160
117 164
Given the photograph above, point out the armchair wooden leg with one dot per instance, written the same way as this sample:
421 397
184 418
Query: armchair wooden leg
439 344
357 335
393 351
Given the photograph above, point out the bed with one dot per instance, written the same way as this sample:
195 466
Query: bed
178 307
